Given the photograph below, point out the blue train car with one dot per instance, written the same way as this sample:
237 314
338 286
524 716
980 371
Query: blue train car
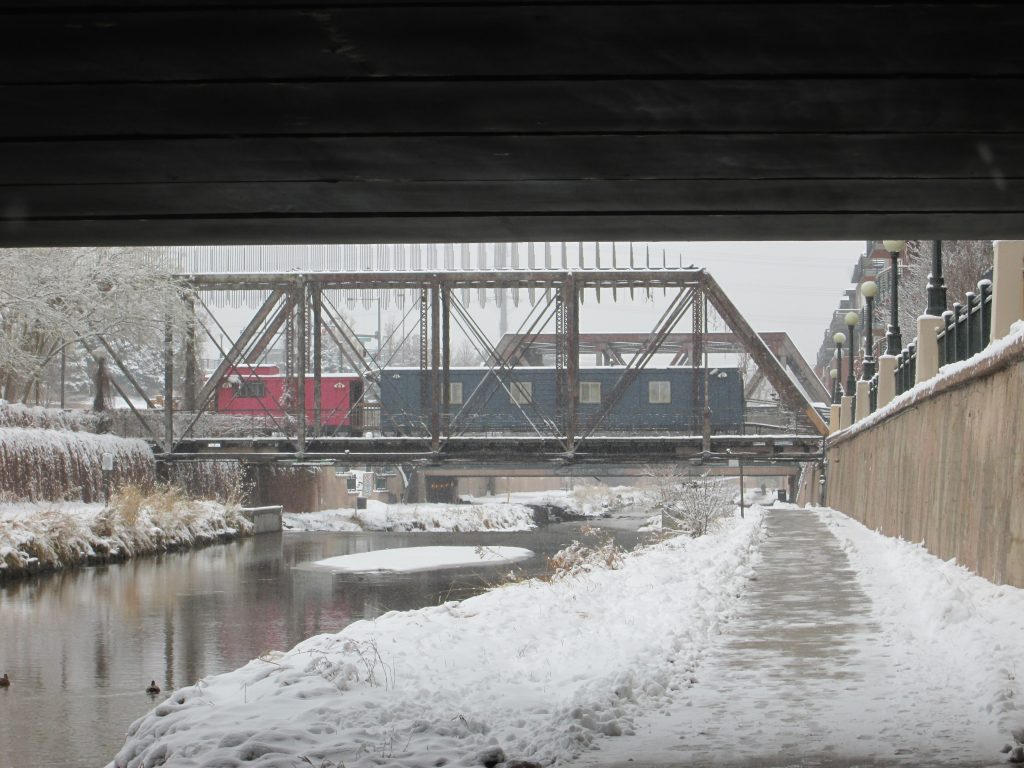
482 401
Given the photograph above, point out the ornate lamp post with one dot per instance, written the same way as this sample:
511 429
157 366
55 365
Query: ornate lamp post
936 284
839 339
851 380
893 338
869 290
834 373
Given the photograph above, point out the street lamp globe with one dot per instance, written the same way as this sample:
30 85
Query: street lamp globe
869 290
851 319
839 339
894 246
834 373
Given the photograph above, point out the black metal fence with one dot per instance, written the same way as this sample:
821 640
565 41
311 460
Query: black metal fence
966 327
965 331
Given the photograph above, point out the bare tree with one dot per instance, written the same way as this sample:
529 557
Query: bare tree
55 299
964 262
466 355
400 346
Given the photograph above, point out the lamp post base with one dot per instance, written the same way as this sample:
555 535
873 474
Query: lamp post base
846 412
927 347
834 418
863 400
886 380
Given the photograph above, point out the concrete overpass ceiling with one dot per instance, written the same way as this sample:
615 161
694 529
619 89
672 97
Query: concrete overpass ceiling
146 122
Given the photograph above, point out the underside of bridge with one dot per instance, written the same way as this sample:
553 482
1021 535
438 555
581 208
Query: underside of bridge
241 121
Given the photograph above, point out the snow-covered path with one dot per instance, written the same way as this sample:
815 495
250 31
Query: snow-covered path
793 637
808 669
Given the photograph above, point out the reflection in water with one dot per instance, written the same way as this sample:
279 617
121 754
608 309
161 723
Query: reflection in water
82 646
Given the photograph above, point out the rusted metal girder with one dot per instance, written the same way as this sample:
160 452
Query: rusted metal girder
316 302
446 355
571 300
435 368
300 364
789 393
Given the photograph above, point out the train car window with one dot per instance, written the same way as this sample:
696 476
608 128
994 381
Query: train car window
590 391
659 391
251 389
455 393
522 392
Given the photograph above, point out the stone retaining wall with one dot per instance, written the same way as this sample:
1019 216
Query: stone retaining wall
945 468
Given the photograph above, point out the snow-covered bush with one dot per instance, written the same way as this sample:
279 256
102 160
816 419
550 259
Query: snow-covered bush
37 417
225 481
691 505
54 465
579 558
699 506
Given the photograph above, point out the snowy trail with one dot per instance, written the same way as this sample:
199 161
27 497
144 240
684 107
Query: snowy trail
812 668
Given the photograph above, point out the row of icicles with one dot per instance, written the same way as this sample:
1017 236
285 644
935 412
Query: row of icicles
254 259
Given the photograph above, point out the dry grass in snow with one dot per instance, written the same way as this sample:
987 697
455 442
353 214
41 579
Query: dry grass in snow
44 536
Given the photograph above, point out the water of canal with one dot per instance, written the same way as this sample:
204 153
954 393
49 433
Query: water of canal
81 646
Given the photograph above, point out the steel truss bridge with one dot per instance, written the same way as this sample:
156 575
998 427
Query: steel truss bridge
298 305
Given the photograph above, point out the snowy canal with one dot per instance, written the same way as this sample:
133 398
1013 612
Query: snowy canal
86 643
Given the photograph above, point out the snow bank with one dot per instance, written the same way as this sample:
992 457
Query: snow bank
378 516
583 501
55 535
944 612
37 464
536 670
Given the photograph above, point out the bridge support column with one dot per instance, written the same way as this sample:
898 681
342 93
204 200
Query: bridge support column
927 347
435 368
1007 286
863 409
300 366
846 412
886 379
317 300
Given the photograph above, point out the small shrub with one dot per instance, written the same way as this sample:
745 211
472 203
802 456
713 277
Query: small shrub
577 559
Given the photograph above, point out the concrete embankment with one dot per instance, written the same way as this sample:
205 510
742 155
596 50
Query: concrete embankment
945 467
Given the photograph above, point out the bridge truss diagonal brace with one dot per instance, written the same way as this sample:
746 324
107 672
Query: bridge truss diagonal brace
231 359
503 362
669 319
762 355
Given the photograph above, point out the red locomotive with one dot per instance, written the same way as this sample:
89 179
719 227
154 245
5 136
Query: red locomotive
263 391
